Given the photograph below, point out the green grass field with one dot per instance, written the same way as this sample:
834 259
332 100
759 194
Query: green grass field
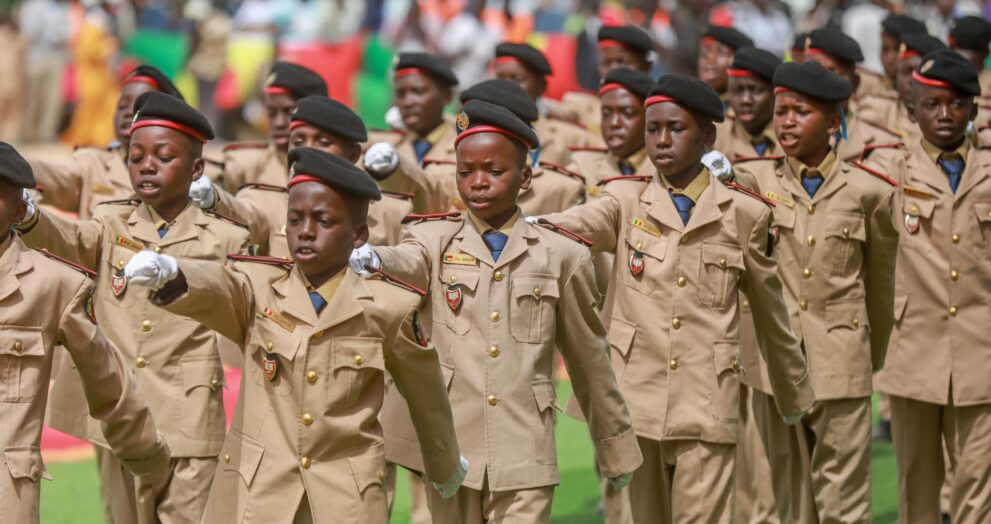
73 497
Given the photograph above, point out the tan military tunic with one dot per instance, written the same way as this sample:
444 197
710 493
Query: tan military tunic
44 303
557 109
588 107
557 137
253 163
889 113
553 189
441 191
598 163
735 142
861 134
872 83
90 177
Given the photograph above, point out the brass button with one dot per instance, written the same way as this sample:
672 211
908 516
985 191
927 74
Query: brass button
639 246
498 276
811 240
804 304
494 351
746 303
722 262
812 209
18 346
307 419
495 316
736 367
846 232
141 362
536 292
676 323
305 462
380 474
268 346
214 382
311 376
120 264
682 281
452 279
953 311
954 275
318 334
358 360
914 210
493 400
227 457
674 365
856 322
684 240
955 238
158 249
806 273
145 325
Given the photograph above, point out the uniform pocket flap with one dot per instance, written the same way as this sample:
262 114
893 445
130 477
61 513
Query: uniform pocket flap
920 207
535 286
206 372
25 462
544 395
845 313
241 454
21 342
722 255
726 355
267 336
357 353
646 243
621 335
367 469
468 278
847 226
119 257
983 210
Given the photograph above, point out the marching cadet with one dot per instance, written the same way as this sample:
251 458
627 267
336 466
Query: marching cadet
840 54
519 290
685 246
716 56
836 250
94 175
943 213
46 301
265 162
318 340
892 29
970 37
175 359
748 132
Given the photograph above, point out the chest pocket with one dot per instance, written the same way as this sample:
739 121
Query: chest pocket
652 250
202 407
983 210
532 312
845 235
721 265
22 363
116 290
355 364
457 292
274 351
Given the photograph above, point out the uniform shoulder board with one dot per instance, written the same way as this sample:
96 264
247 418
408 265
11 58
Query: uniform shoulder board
547 224
107 148
876 173
264 187
438 161
282 262
591 149
399 194
121 202
452 216
40 188
754 194
742 159
84 270
874 147
400 283
638 178
563 170
245 145
226 218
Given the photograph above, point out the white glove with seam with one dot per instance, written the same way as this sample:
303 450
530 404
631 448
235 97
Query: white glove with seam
382 158
718 165
32 207
364 261
150 269
532 220
794 419
394 118
202 194
450 487
620 482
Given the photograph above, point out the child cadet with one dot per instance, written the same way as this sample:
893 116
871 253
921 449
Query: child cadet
836 252
46 301
175 359
716 56
318 340
970 36
750 93
892 29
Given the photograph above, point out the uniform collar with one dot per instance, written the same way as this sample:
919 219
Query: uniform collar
934 153
637 159
483 227
434 137
159 223
329 288
825 168
694 189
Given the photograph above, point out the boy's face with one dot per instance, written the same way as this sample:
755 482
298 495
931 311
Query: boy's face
752 98
974 57
421 102
622 122
889 55
124 112
803 125
162 163
322 230
903 79
942 114
492 169
12 208
847 71
279 108
310 136
511 70
714 59
613 56
676 140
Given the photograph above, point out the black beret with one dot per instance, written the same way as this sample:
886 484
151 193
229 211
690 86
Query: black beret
478 116
688 92
528 55
426 63
299 81
629 36
835 44
728 36
971 32
147 74
331 116
503 93
307 164
751 60
812 79
156 109
946 68
898 25
13 168
636 82
918 44
798 43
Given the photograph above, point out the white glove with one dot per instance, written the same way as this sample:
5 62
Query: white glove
532 220
394 119
382 158
32 207
718 165
449 488
150 269
202 194
794 419
364 260
621 481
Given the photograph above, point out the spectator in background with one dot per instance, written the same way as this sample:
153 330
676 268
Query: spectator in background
863 23
45 29
939 14
208 58
94 50
12 81
766 22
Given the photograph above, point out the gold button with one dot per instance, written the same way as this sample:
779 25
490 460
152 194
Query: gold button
676 323
311 376
498 276
227 457
955 238
639 246
494 351
493 400
722 262
120 264
268 346
495 316
307 419
856 322
158 249
452 279
953 311
682 281
846 232
18 346
811 240
812 209
141 362
914 210
358 360
954 275
674 365
806 273
380 474
684 240
804 304
736 367
145 325
536 292
318 334
305 462
746 303
214 382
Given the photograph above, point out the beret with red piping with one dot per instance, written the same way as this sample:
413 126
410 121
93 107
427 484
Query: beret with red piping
690 93
478 116
426 64
813 80
307 164
751 61
330 116
296 80
636 82
157 109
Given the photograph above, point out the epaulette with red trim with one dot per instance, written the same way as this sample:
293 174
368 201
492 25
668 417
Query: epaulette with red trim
40 188
638 178
263 187
547 224
874 147
226 218
399 282
244 145
452 216
876 173
108 148
121 202
84 270
742 159
563 170
438 161
282 262
398 194
737 187
592 149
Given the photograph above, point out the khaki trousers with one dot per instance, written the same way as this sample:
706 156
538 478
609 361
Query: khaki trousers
820 467
472 506
754 491
919 430
683 481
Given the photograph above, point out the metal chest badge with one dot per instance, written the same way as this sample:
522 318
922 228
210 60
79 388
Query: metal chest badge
636 263
453 297
912 221
270 365
118 282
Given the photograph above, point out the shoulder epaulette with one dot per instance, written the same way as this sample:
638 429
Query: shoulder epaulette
638 178
742 159
593 149
745 191
563 170
122 202
106 148
226 218
873 147
263 187
453 215
876 173
438 161
283 262
245 145
39 188
399 282
399 194
84 270
547 224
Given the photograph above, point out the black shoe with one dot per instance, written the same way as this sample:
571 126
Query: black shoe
882 431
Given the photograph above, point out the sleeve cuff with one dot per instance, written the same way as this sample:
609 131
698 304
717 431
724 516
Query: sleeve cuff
796 400
618 455
150 464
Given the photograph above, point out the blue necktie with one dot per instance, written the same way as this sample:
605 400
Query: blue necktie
626 168
953 167
318 302
812 181
162 231
421 147
684 206
535 157
495 241
762 147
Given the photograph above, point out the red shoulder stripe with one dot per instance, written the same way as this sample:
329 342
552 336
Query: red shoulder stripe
737 187
263 260
638 178
876 173
399 194
563 170
264 187
564 231
403 284
84 270
438 161
435 216
245 145
230 219
594 149
741 159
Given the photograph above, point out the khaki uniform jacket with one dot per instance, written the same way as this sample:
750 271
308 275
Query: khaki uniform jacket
175 359
836 254
871 83
597 165
92 176
439 186
940 351
733 141
862 134
588 107
890 113
497 351
253 163
557 137
44 303
673 330
313 426
552 190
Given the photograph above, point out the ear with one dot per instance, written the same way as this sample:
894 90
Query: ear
360 235
198 165
527 177
910 110
834 123
709 136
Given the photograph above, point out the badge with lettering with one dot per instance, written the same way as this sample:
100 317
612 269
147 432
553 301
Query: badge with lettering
453 296
123 241
118 283
911 224
460 259
645 226
270 365
277 317
636 263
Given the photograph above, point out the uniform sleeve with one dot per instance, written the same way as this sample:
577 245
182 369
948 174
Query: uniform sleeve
111 389
233 175
879 281
216 296
246 211
418 378
410 260
432 194
787 368
63 182
79 241
580 336
598 221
